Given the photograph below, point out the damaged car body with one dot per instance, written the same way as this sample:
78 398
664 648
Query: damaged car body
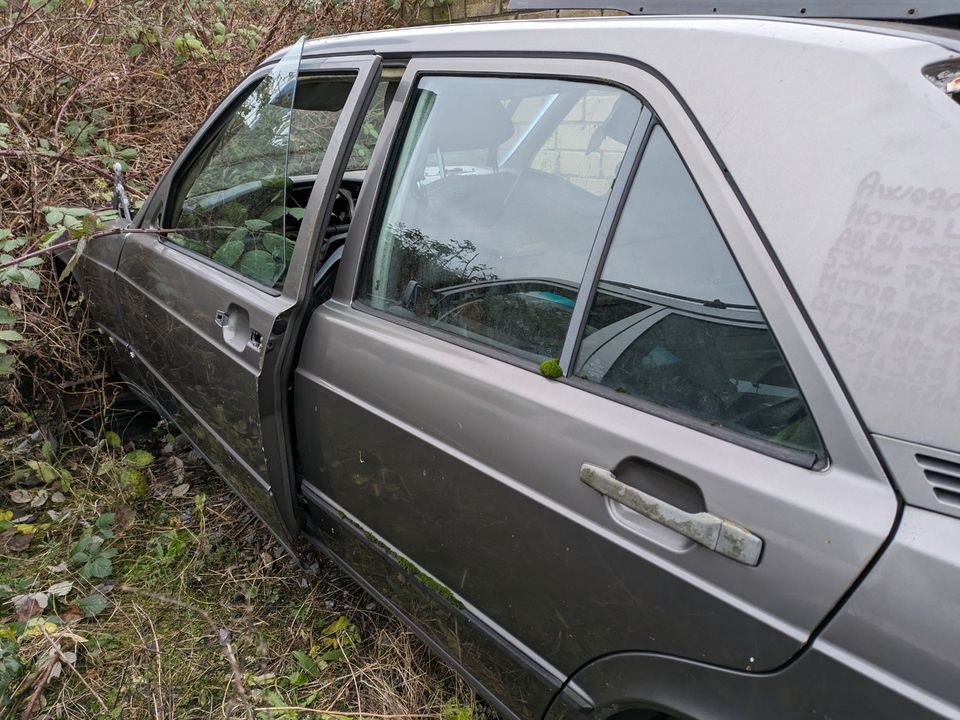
736 237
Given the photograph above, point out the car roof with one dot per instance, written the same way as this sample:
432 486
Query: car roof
833 137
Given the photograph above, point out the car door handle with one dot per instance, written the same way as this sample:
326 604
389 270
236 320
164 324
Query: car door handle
714 533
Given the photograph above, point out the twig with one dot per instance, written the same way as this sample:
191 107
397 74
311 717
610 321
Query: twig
63 157
38 690
68 243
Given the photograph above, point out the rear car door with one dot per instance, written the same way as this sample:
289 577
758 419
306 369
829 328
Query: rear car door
240 217
692 482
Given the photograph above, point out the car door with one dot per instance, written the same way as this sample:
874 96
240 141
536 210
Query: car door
561 379
207 298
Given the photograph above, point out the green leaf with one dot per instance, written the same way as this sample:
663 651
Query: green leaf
256 224
6 364
275 244
228 253
306 662
113 440
54 217
105 520
296 213
272 214
138 458
10 335
75 258
99 566
6 317
135 50
93 605
259 265
239 234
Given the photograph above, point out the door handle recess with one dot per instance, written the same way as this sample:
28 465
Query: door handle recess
714 533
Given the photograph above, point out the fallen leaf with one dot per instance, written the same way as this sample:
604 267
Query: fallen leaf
180 490
17 542
60 589
21 496
29 605
71 614
58 497
39 499
61 568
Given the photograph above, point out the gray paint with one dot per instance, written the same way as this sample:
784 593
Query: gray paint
890 653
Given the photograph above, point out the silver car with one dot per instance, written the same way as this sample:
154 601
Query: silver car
619 357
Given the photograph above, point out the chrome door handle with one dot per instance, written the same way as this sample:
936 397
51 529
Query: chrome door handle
714 533
222 318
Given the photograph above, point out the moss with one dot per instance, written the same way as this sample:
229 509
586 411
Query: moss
551 369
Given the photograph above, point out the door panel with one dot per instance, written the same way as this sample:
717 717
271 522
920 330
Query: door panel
443 441
470 467
206 308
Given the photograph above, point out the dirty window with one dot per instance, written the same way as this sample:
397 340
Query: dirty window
674 323
478 238
241 200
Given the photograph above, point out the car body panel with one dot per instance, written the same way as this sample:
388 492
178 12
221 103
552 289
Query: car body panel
889 653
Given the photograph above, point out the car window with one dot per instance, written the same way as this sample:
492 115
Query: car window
477 240
240 201
673 321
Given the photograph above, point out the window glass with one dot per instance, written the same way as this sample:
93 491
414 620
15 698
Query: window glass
478 237
674 323
241 201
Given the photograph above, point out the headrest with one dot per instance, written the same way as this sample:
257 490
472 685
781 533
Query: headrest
469 121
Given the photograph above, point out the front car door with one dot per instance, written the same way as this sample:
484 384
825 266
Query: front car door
208 298
568 211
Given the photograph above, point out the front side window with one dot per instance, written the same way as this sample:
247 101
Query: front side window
241 199
494 203
674 323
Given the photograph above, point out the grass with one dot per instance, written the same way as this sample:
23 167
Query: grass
201 613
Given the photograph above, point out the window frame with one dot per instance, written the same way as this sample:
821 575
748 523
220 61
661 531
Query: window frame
639 81
159 208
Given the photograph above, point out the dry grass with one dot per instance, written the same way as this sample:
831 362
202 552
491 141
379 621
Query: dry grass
205 616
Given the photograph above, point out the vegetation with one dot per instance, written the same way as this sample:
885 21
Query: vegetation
133 583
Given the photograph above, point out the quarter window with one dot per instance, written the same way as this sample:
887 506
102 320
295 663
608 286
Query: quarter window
674 323
494 204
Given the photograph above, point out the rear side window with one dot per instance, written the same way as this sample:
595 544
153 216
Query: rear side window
673 323
495 201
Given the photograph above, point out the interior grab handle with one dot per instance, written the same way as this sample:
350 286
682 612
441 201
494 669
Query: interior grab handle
714 533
